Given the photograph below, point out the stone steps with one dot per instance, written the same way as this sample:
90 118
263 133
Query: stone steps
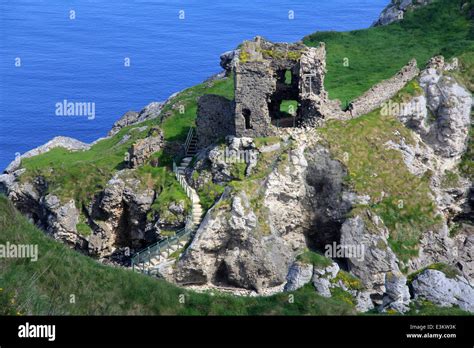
164 256
154 263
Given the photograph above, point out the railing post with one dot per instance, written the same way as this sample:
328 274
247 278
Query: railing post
149 260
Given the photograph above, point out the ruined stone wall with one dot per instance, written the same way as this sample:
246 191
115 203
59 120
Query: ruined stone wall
215 119
312 71
254 84
314 100
375 96
261 87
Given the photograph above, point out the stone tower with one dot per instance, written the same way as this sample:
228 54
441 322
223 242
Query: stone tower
276 85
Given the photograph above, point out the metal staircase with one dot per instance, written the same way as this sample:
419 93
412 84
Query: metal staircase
149 259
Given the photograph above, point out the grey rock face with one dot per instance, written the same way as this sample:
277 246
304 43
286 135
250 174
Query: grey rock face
142 149
129 118
227 250
363 301
395 11
415 115
378 258
298 276
397 294
435 246
434 286
62 220
451 105
330 199
322 286
151 111
286 196
464 242
216 162
229 59
322 279
120 215
57 218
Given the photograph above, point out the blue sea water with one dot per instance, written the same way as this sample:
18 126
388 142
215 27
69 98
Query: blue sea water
75 50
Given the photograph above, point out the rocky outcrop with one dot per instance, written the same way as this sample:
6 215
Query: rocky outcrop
119 215
329 198
142 149
228 60
67 143
378 259
464 245
397 294
122 215
58 219
450 104
215 164
396 10
228 250
129 118
236 241
151 111
287 197
440 117
436 287
323 279
298 276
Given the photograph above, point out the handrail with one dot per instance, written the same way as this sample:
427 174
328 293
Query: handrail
188 140
145 255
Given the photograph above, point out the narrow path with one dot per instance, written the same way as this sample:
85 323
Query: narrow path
149 259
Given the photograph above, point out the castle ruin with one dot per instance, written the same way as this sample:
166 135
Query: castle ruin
281 85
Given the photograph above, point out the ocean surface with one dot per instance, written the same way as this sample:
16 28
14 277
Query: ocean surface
123 54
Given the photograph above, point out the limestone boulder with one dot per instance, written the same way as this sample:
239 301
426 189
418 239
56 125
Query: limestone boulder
436 287
395 11
298 276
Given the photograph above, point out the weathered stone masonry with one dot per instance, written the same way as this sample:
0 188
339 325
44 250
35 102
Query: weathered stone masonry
267 74
374 97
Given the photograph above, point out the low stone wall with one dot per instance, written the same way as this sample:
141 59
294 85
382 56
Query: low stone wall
374 97
215 119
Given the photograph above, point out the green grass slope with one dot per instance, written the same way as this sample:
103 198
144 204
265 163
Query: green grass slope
375 54
82 174
64 282
47 286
